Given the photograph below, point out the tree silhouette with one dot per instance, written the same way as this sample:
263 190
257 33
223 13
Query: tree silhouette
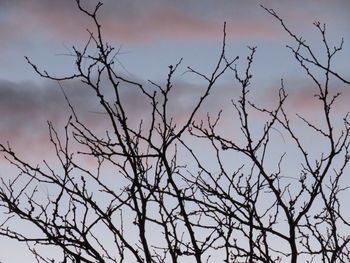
152 197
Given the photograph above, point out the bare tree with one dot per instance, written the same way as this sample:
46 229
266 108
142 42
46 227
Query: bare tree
152 197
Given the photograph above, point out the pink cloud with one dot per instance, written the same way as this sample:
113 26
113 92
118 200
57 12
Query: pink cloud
159 23
163 21
148 21
302 99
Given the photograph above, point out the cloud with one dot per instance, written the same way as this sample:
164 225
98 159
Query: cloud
28 24
26 106
160 23
302 99
25 109
128 22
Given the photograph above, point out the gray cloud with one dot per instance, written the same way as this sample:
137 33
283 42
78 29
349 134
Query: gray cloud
25 107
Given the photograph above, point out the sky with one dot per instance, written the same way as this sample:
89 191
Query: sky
151 35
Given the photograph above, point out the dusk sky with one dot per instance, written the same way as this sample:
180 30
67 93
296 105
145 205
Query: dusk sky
151 35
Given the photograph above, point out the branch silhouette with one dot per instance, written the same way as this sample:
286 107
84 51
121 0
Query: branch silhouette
152 197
